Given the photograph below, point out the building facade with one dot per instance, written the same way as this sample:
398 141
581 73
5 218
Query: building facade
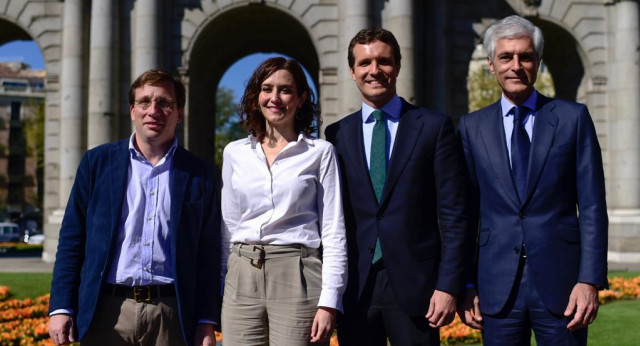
94 48
22 95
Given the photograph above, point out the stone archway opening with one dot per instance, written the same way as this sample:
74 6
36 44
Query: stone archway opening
561 56
227 38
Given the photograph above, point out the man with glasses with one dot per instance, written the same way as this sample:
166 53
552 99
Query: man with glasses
138 259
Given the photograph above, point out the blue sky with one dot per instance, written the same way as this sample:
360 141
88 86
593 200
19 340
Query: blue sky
235 78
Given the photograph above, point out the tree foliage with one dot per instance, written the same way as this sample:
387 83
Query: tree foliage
228 126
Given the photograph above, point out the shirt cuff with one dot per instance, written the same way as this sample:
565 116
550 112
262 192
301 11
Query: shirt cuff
61 312
331 298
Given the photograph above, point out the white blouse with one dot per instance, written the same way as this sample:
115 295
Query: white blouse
297 201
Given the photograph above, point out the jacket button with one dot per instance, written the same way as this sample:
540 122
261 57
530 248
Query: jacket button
371 249
516 250
522 216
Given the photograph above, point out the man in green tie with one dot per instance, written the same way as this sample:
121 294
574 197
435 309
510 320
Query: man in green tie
404 193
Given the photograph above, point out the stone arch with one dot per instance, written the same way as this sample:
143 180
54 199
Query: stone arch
226 35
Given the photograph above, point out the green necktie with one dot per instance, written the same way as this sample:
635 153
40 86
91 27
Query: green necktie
378 164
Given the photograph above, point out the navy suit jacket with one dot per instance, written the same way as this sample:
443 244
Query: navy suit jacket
565 177
90 227
420 219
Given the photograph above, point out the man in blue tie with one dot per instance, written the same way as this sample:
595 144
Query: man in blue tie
138 259
404 202
538 205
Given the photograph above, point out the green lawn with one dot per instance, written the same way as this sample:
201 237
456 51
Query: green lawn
617 324
25 285
625 274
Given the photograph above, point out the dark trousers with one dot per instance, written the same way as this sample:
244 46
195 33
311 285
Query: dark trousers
525 311
377 317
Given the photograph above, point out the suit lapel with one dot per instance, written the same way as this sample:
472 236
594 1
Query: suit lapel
409 130
543 132
492 129
119 158
178 186
354 149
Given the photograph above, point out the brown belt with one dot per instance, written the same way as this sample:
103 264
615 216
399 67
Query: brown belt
142 293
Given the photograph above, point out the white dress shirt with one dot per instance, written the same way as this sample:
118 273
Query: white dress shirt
392 112
297 201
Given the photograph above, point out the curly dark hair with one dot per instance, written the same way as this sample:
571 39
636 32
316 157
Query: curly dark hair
155 76
366 36
307 118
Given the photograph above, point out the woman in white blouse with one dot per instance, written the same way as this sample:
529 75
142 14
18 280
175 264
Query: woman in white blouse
282 211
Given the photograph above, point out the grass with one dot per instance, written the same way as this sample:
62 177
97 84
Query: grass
26 285
625 274
617 324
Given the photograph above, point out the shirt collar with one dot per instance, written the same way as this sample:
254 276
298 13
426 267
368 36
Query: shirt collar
253 141
392 109
135 154
530 103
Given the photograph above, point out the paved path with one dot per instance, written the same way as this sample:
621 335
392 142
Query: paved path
32 264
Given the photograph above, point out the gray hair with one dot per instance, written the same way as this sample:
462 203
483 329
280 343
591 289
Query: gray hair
512 27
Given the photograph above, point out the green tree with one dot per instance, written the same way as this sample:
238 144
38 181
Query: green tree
33 132
228 126
484 90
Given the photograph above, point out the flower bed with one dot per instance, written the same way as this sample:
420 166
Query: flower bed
24 322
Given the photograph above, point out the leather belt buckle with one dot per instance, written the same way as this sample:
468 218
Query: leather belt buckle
142 294
260 261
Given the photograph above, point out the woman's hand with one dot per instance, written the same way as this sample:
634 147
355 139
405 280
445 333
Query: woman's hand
323 324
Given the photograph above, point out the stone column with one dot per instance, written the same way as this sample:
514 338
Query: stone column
101 73
354 15
72 105
398 18
623 194
147 36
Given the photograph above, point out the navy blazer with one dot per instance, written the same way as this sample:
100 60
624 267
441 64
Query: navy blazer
420 219
90 227
565 177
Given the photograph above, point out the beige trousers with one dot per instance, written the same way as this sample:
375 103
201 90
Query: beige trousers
122 321
270 302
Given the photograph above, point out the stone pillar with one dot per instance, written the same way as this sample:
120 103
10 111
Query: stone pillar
354 15
398 18
101 73
147 33
72 105
623 194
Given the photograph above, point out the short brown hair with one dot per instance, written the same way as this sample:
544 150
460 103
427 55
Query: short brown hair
155 76
307 118
369 35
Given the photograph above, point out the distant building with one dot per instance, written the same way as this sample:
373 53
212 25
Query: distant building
22 96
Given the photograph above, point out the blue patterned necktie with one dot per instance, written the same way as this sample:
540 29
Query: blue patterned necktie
520 148
378 164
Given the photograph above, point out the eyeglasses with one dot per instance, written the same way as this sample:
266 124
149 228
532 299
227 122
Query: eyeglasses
163 104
